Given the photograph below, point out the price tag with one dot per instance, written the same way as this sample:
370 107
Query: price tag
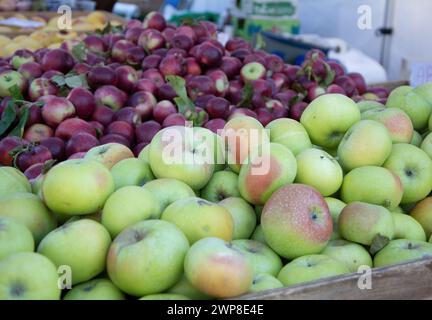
421 72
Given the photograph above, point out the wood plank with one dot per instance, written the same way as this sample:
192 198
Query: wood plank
411 280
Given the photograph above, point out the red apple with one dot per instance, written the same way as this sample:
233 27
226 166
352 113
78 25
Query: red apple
121 128
143 102
115 138
34 154
163 109
38 132
70 127
56 146
103 115
128 114
57 59
110 96
127 78
154 20
56 109
83 101
41 87
7 144
81 142
145 131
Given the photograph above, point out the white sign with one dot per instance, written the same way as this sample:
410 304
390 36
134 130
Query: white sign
421 72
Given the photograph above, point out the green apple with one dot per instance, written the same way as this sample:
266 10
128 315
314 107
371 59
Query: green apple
258 235
167 191
222 185
198 218
144 154
422 212
402 250
406 227
335 207
397 122
367 143
82 245
289 133
14 237
29 210
147 257
265 172
185 288
263 282
352 255
183 153
410 101
131 172
416 139
310 268
320 170
9 79
243 215
414 167
362 222
78 186
243 135
164 296
260 257
13 181
366 105
425 90
18 60
426 145
109 154
216 268
328 117
375 185
296 221
126 206
96 289
28 276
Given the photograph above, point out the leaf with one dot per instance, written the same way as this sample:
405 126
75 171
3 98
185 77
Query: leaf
247 96
15 92
378 242
8 117
19 129
58 80
48 165
182 100
74 81
79 52
330 75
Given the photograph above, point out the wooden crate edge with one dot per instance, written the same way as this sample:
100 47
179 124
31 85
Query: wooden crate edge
410 280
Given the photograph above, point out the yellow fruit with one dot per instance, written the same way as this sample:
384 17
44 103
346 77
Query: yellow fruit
97 18
20 16
54 45
41 36
4 40
19 38
12 47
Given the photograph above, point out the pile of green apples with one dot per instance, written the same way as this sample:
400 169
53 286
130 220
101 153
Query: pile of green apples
346 187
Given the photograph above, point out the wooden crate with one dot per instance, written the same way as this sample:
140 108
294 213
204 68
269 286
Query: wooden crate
47 15
411 280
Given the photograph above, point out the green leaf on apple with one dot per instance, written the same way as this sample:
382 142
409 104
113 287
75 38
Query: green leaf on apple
15 92
247 95
48 165
74 81
378 242
8 117
79 52
330 75
183 102
58 80
19 129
